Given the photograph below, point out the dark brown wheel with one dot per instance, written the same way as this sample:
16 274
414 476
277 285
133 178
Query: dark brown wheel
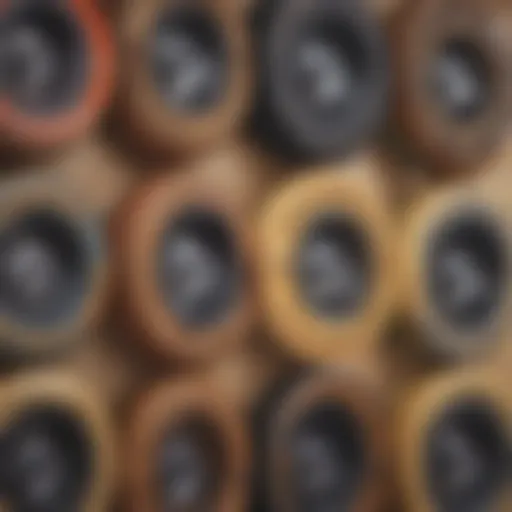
53 267
325 256
185 73
58 59
186 450
453 438
321 445
57 445
453 80
184 267
456 270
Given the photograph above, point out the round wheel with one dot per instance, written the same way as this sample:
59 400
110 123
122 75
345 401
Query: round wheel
187 451
326 265
185 73
323 77
321 445
53 272
454 439
456 271
453 80
59 61
184 257
56 445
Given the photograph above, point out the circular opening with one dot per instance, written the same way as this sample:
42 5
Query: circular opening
43 272
190 466
461 80
47 461
334 266
327 459
189 60
43 57
468 457
198 268
467 270
327 67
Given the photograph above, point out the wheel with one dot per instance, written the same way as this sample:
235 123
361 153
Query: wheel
186 281
454 437
57 445
320 444
186 450
59 59
322 77
185 74
453 81
456 258
325 256
53 268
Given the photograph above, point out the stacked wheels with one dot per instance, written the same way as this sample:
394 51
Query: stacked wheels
241 315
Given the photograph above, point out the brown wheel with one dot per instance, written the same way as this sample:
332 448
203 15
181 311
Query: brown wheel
326 265
321 445
53 271
456 271
57 445
453 80
59 58
453 435
186 450
185 73
184 260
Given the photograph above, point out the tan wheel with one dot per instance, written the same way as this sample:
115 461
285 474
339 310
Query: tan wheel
57 438
185 73
325 252
186 450
53 267
456 258
184 258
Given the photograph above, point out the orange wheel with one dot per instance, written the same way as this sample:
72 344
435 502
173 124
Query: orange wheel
453 80
186 450
325 252
57 439
185 73
184 259
456 270
60 59
453 438
327 423
52 266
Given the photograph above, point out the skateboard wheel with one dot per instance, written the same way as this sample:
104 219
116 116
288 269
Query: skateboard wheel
453 80
185 73
56 445
325 258
323 77
184 256
187 450
454 439
321 445
52 268
59 59
457 274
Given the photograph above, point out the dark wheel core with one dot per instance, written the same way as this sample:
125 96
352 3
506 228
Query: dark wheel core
190 467
461 81
467 270
189 60
199 268
328 459
333 266
467 457
47 461
43 58
43 269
